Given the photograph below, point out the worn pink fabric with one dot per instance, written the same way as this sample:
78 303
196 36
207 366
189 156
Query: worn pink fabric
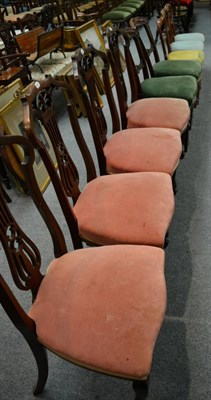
143 149
159 112
131 208
103 308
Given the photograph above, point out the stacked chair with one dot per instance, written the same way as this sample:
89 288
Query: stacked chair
100 306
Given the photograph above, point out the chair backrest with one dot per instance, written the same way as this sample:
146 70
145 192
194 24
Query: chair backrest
27 42
39 105
139 22
164 33
23 255
84 63
123 37
7 34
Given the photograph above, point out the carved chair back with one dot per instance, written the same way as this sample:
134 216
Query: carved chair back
39 105
84 63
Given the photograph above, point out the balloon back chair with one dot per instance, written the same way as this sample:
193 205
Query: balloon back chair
100 308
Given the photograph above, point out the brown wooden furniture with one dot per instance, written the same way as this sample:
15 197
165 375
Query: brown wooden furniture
99 220
39 43
27 22
109 301
13 66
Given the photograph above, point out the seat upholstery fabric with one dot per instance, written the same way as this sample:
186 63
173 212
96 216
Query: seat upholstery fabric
189 36
146 149
131 208
184 87
178 67
197 55
159 112
103 308
187 45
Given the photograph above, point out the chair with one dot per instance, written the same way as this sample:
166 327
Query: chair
128 150
109 301
145 112
13 66
148 196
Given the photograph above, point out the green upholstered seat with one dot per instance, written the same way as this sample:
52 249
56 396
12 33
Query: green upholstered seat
129 8
184 87
116 15
178 67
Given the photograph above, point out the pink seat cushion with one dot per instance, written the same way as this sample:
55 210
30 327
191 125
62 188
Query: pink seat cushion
103 308
131 208
143 149
160 112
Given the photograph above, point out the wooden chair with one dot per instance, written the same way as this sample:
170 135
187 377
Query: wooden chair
13 66
128 150
77 292
145 112
100 220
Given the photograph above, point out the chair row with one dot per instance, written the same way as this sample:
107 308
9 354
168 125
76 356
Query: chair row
112 295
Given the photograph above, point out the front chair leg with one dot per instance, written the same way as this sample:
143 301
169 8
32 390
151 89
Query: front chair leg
141 389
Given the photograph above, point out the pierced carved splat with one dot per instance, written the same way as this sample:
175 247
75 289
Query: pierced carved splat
42 108
23 255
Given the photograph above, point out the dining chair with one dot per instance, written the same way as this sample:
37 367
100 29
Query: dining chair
134 208
100 308
144 112
128 150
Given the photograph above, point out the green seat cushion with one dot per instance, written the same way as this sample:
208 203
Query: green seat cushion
180 87
128 8
130 4
178 67
116 15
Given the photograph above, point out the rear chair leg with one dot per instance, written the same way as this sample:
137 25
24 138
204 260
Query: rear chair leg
141 389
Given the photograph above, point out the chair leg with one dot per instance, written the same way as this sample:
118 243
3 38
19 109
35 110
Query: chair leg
40 355
174 183
141 389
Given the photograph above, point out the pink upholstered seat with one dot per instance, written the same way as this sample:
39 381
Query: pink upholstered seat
161 112
102 308
131 208
142 150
